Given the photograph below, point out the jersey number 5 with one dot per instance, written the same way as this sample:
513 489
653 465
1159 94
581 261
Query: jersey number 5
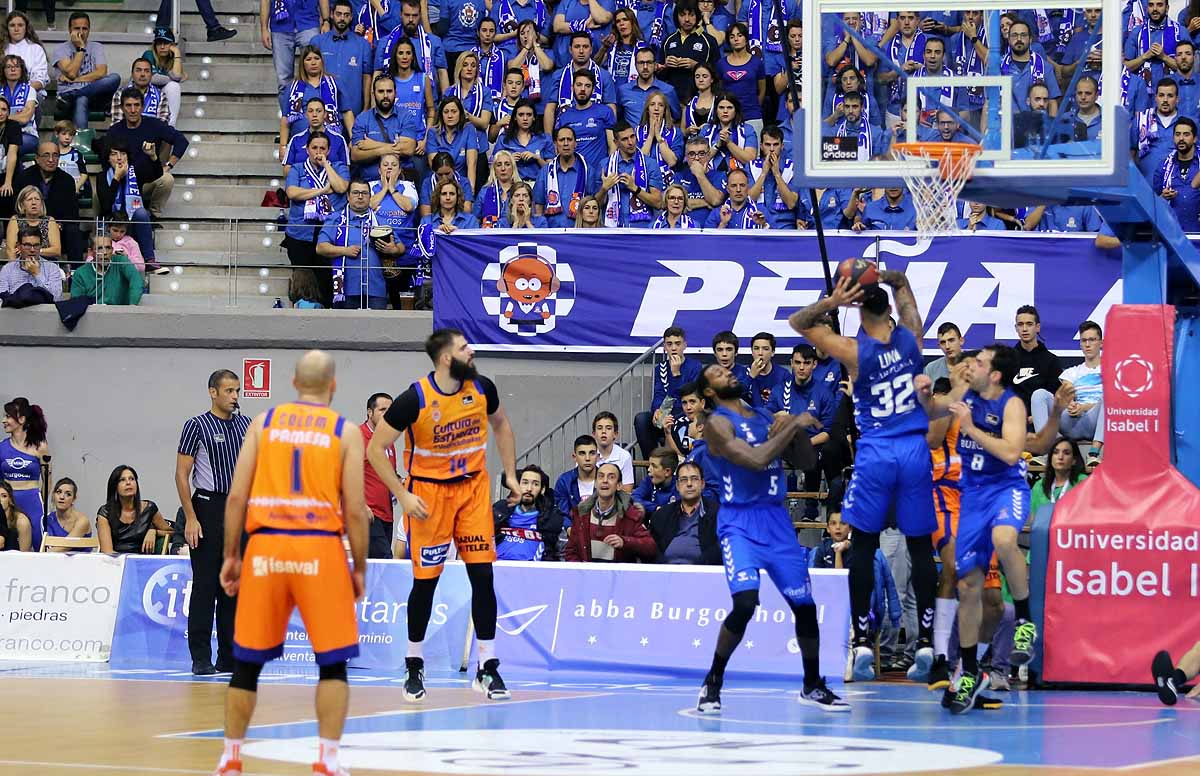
895 396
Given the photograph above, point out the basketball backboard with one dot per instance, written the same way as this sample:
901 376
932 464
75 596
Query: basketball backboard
1032 96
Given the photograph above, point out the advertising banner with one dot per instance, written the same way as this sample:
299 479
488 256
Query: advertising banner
572 616
617 289
156 593
55 606
1123 572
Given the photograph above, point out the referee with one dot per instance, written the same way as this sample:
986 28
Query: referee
208 451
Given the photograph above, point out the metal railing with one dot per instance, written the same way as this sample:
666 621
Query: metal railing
627 394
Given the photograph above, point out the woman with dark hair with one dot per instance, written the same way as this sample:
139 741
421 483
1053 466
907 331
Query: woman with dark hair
22 39
16 532
1064 472
744 75
21 458
126 523
443 168
11 139
454 134
65 521
303 291
734 142
697 110
619 47
166 64
414 92
531 60
525 139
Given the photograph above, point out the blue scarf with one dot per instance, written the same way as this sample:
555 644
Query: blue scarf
565 98
689 113
874 24
281 11
669 133
1148 127
970 63
1170 37
554 202
658 25
491 205
737 136
758 169
1066 27
473 100
1037 67
842 129
945 96
766 34
638 210
342 238
317 208
329 96
685 222
506 17
491 69
620 61
131 194
1171 167
370 21
899 53
1137 13
16 96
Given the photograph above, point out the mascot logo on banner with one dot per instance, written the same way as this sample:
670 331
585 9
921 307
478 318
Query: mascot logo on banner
527 289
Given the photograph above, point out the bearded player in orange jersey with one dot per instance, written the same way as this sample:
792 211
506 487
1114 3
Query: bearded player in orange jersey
298 487
445 417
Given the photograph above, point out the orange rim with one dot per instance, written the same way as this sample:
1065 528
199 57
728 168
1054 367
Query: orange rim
951 157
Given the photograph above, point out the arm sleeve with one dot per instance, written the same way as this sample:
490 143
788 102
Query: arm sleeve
562 495
489 391
404 410
178 141
627 471
135 282
642 493
189 440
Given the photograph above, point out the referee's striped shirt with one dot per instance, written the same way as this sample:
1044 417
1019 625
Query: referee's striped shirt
214 443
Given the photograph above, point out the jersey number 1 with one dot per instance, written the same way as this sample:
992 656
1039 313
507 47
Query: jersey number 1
297 484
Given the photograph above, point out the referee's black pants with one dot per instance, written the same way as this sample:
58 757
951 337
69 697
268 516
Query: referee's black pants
207 594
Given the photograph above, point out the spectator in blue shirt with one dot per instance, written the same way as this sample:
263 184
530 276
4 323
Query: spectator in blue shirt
657 488
511 14
804 393
894 212
1064 218
1084 118
574 485
772 188
743 74
345 240
632 95
725 349
670 375
573 16
348 57
1174 179
430 56
978 219
315 189
529 529
528 144
703 182
1150 48
296 151
564 182
287 26
631 185
1027 67
739 211
469 87
414 89
765 374
871 139
946 129
462 30
456 136
839 206
591 122
1185 79
1151 134
448 216
312 80
562 88
441 169
382 130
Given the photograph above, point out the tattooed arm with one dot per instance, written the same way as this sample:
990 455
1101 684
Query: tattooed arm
906 303
821 336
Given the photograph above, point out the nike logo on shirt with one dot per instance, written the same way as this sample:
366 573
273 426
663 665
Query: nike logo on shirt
1025 374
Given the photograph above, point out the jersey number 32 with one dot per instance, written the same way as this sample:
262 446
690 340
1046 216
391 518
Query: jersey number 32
894 397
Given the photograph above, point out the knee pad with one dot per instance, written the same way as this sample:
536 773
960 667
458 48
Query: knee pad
334 672
245 676
744 604
806 621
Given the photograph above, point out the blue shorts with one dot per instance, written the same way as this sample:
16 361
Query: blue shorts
983 508
755 538
891 475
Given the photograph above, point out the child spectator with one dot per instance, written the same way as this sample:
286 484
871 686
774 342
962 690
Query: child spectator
657 488
303 292
70 158
123 243
574 485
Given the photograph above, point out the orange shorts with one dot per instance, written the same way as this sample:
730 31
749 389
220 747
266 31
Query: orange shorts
460 511
946 500
282 571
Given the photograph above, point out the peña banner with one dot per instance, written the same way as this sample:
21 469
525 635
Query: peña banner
617 289
1123 569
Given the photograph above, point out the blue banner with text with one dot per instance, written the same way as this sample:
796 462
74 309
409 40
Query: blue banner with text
617 289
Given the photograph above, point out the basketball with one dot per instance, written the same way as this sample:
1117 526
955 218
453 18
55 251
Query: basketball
862 271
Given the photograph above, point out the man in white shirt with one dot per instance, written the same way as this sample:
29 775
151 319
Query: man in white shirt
605 430
1081 419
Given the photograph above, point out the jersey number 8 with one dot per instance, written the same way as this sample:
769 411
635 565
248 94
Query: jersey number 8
895 396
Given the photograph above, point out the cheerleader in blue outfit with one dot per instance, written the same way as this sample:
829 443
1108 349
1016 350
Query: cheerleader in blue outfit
21 457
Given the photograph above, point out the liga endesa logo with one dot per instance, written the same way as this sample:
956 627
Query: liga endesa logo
1133 376
527 289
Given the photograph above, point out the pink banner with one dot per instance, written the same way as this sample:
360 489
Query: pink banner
1124 559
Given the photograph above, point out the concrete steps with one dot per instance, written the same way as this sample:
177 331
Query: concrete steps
216 237
251 257
232 152
215 282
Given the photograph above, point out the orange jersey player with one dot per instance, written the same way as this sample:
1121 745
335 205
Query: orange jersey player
445 417
297 488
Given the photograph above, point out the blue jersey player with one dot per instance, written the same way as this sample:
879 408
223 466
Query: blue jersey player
994 507
892 469
754 527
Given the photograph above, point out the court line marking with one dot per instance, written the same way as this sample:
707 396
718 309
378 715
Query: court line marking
123 768
691 713
403 711
1191 758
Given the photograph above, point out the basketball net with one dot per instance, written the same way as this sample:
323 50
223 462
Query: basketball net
935 173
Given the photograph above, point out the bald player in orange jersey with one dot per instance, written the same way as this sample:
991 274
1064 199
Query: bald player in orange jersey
298 487
445 418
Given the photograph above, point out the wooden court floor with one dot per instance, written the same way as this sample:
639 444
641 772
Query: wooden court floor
73 726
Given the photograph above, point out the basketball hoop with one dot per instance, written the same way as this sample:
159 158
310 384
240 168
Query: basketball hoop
935 173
